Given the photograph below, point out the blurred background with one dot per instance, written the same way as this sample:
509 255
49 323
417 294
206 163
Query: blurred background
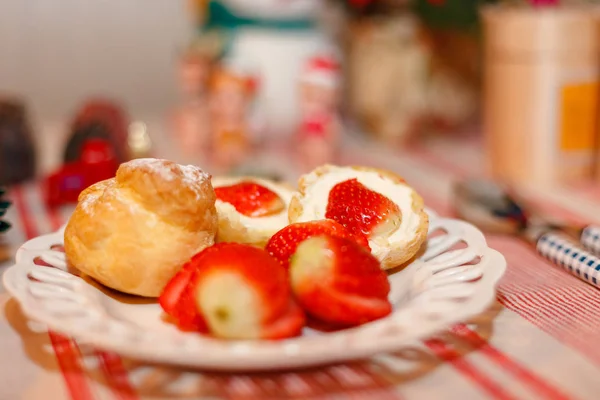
508 88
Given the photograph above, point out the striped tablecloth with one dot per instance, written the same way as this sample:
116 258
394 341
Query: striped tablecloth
537 342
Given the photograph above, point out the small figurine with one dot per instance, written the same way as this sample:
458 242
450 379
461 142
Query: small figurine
17 151
277 36
195 67
191 119
319 130
231 94
191 126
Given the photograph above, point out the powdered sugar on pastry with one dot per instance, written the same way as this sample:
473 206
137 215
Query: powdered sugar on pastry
190 173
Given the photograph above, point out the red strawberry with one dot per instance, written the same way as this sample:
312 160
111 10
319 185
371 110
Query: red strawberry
187 315
283 243
175 300
362 210
243 293
288 325
251 199
169 298
338 282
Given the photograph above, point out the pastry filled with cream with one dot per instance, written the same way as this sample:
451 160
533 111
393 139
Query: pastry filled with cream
250 209
367 201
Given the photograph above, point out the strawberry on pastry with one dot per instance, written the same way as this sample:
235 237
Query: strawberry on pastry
251 199
339 282
371 201
284 243
243 293
250 209
361 210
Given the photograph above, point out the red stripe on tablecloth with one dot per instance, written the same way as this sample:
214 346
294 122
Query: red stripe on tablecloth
446 353
29 227
112 365
66 354
539 385
553 300
116 376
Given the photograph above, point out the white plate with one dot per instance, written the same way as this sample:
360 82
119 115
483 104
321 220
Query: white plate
445 285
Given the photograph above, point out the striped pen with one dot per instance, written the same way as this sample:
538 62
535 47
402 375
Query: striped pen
561 250
590 238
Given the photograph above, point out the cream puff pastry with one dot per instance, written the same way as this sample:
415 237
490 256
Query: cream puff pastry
133 232
250 209
369 201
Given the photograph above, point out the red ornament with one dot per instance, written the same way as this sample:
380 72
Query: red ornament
97 163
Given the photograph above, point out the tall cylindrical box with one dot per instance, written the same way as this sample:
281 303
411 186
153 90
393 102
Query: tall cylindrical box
541 85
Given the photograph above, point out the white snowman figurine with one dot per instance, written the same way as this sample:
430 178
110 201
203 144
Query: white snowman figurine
276 37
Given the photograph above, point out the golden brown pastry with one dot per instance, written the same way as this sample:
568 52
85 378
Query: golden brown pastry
133 232
250 209
369 201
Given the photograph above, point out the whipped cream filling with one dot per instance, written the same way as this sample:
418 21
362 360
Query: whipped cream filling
271 222
316 197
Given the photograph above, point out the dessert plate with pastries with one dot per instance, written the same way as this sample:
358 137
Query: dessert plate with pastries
166 264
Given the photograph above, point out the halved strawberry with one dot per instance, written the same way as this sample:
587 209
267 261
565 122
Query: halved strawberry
290 324
175 299
171 294
243 293
186 313
251 199
337 281
283 243
362 210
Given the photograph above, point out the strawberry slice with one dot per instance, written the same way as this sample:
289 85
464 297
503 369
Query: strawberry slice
336 281
361 210
288 325
187 315
171 294
243 293
176 301
251 199
284 243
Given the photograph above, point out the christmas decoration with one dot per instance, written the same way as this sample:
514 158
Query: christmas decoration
97 162
277 37
232 90
99 119
411 66
319 131
100 141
